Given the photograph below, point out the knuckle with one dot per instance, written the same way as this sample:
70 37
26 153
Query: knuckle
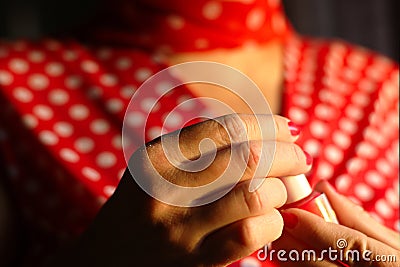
254 201
247 234
248 154
235 127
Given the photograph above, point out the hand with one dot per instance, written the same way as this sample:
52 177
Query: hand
134 229
357 231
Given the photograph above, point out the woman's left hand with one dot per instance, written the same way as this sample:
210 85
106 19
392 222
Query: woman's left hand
358 240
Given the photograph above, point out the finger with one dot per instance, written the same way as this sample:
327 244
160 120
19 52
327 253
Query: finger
240 239
238 204
230 129
356 248
289 251
355 217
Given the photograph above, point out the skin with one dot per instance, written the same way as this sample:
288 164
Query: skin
357 227
135 229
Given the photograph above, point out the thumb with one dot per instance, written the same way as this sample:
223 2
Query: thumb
338 243
355 217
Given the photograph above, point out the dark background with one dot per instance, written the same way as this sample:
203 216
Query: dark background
371 23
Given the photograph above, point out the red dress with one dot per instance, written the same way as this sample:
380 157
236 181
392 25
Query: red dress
62 105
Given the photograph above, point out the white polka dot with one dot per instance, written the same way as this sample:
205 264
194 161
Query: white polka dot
384 167
324 170
43 112
163 87
250 262
70 55
19 66
36 56
135 119
78 112
29 121
3 52
303 101
154 132
212 10
351 75
73 82
38 81
6 78
392 198
114 105
106 159
175 22
278 23
341 139
356 165
149 104
348 125
48 138
63 129
319 129
89 66
366 150
383 208
123 63
127 91
91 174
108 80
313 147
343 183
363 192
84 144
201 43
58 97
360 99
117 141
334 154
375 179
121 173
94 92
52 45
353 112
22 94
255 19
325 112
54 69
173 120
99 126
298 115
109 190
104 53
142 74
186 103
69 155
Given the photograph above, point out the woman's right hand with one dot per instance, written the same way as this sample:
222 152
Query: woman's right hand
135 229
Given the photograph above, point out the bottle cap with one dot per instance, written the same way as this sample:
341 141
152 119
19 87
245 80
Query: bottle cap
297 187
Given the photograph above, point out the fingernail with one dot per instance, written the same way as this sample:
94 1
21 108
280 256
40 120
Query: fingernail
309 159
289 219
294 129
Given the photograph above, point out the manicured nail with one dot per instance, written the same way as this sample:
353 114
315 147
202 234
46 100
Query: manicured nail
294 129
309 159
289 219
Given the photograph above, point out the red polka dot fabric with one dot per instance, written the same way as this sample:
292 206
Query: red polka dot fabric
63 102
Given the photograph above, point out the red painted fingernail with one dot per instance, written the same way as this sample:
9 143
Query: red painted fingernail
294 129
309 159
289 219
